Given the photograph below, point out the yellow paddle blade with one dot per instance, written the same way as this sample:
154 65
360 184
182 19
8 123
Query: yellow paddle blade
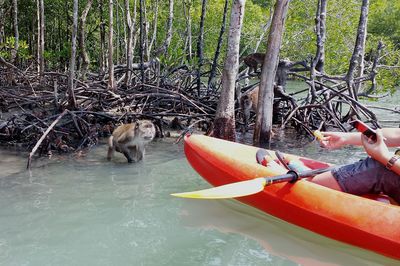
238 189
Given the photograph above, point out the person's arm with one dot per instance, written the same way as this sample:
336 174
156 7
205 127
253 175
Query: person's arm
334 140
379 151
392 136
395 164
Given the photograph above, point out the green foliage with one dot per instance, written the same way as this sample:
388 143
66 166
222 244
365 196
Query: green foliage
57 58
388 77
299 42
299 31
253 27
9 44
341 26
384 25
212 26
384 19
263 3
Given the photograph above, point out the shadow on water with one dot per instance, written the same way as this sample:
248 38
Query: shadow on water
281 242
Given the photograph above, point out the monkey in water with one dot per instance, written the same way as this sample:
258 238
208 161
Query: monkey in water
130 139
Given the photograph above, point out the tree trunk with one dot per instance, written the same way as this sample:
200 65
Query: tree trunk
59 42
118 40
321 36
65 33
14 52
319 60
188 43
40 39
82 39
164 48
155 22
2 21
224 123
141 42
263 127
358 48
71 76
363 37
145 31
200 44
218 50
374 71
102 59
135 29
111 80
129 58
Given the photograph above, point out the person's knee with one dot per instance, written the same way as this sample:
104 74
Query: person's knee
327 180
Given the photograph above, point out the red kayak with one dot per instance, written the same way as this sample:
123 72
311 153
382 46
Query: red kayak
359 221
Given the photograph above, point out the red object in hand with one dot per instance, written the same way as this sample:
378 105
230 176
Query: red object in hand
364 129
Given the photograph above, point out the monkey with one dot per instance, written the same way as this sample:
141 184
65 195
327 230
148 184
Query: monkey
249 101
253 60
130 140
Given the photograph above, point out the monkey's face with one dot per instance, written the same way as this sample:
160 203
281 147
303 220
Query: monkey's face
145 130
247 102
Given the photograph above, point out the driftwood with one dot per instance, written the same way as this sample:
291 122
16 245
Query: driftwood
328 97
34 116
43 137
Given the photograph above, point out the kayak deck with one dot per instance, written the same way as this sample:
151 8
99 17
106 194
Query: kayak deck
348 218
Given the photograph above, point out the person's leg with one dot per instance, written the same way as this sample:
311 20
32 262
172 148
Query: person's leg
389 183
327 180
359 178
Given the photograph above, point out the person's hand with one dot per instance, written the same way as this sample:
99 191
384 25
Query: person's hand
377 150
333 140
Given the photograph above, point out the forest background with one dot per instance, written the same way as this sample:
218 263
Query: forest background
298 44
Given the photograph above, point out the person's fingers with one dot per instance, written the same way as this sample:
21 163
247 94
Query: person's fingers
328 133
365 139
379 133
379 136
326 138
323 144
327 144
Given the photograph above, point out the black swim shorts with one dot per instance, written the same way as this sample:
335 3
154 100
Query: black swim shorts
368 176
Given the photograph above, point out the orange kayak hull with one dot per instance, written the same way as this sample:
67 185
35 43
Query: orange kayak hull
355 220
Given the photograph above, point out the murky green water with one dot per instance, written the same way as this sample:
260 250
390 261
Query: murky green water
87 211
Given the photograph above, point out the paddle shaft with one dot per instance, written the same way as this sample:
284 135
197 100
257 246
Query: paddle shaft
293 176
248 187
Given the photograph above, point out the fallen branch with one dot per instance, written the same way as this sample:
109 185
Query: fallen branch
43 137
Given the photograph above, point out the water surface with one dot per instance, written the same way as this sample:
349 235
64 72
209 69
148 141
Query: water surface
87 211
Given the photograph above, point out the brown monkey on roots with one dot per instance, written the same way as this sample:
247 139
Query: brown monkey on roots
249 101
254 60
130 139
